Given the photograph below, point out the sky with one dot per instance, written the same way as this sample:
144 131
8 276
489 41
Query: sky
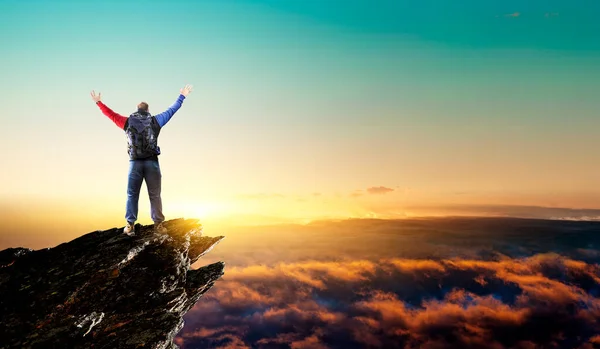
301 110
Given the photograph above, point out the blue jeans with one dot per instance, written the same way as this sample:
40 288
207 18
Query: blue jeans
138 171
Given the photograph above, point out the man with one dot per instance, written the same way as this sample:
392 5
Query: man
142 131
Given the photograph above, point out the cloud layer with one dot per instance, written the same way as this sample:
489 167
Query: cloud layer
502 302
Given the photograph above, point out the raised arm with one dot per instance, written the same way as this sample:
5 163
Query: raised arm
118 119
165 116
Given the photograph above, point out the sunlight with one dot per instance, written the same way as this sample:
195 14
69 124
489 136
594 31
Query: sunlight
202 210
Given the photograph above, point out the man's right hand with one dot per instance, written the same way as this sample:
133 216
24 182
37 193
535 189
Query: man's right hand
186 90
96 97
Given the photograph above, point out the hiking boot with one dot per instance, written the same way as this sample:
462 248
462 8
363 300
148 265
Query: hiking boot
160 228
128 229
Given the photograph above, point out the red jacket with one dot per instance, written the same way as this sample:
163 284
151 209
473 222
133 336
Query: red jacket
118 119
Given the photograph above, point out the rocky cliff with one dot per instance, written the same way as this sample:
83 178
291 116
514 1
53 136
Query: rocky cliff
105 289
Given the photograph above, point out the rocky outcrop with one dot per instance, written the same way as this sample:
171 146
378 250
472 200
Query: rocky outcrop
105 289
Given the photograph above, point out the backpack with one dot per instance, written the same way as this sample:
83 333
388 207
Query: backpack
142 131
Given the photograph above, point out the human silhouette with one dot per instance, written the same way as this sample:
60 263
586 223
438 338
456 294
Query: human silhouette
142 130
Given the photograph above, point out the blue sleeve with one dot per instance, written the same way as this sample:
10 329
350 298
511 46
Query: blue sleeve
165 116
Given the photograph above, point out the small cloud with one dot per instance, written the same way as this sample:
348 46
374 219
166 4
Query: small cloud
379 190
514 15
551 14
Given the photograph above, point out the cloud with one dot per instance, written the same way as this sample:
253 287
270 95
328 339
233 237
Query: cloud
296 341
312 273
541 212
545 300
576 218
551 14
460 319
417 266
379 190
514 15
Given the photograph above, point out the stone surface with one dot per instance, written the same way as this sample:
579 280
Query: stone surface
105 289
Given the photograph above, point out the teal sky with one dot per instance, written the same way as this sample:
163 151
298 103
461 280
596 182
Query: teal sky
495 101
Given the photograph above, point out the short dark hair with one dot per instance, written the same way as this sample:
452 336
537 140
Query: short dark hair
143 106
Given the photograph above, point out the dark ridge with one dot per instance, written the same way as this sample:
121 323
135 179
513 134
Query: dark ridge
105 289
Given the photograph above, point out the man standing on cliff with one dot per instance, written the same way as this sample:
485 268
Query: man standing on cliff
142 131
